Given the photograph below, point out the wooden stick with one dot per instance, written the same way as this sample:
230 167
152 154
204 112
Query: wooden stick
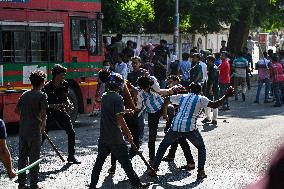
53 146
143 158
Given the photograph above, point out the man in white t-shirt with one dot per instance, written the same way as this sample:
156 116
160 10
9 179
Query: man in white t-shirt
184 124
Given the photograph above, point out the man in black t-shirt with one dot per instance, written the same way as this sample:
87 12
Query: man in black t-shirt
57 90
112 125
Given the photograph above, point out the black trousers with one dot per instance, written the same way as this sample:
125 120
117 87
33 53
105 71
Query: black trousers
64 122
132 123
153 122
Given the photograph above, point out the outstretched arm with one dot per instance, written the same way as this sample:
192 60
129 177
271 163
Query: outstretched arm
215 104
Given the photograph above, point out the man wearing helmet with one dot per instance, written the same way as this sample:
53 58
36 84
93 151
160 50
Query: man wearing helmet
112 119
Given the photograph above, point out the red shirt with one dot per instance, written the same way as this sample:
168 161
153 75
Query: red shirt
224 72
277 72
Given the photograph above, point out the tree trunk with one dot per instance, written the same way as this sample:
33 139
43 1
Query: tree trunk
239 32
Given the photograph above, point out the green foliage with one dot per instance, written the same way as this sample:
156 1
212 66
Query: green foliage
200 16
127 16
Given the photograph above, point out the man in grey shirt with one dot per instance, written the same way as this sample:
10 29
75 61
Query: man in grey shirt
31 107
112 126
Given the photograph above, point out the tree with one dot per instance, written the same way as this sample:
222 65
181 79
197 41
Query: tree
127 16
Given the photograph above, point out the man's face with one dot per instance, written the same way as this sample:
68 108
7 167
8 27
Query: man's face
60 77
136 64
171 83
210 62
195 59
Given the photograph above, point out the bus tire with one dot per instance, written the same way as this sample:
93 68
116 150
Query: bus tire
73 99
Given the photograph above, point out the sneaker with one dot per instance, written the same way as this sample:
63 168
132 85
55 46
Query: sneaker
243 97
201 175
142 186
168 159
205 120
73 160
266 101
111 170
214 122
188 167
256 102
23 186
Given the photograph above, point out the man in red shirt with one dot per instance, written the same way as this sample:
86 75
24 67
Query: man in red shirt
224 78
277 79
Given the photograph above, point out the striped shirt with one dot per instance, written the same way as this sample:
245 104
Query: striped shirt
190 106
151 100
240 64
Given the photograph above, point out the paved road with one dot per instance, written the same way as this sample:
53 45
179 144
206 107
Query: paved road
238 152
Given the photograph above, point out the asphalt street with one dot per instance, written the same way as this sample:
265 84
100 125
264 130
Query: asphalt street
239 149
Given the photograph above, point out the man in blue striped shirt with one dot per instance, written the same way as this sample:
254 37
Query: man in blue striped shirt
150 96
184 124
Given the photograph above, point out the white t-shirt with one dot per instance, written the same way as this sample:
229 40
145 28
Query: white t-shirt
204 71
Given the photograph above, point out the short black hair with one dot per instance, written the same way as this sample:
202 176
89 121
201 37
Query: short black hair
185 56
58 69
195 88
37 78
144 82
104 75
210 57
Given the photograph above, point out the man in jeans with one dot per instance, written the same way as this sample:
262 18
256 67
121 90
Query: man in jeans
224 78
263 66
184 124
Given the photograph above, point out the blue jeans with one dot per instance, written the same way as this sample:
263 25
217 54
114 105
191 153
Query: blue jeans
277 93
120 152
193 136
267 89
223 89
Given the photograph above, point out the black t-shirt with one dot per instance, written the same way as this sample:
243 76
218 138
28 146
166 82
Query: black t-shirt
110 132
56 95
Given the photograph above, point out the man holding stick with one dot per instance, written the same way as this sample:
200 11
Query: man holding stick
57 90
112 128
31 107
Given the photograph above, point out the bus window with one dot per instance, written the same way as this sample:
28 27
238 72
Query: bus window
13 46
79 35
38 46
95 37
55 46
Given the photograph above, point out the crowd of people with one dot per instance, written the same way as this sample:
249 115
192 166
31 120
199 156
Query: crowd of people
134 83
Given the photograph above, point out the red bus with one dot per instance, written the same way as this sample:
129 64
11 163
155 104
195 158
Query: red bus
36 34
